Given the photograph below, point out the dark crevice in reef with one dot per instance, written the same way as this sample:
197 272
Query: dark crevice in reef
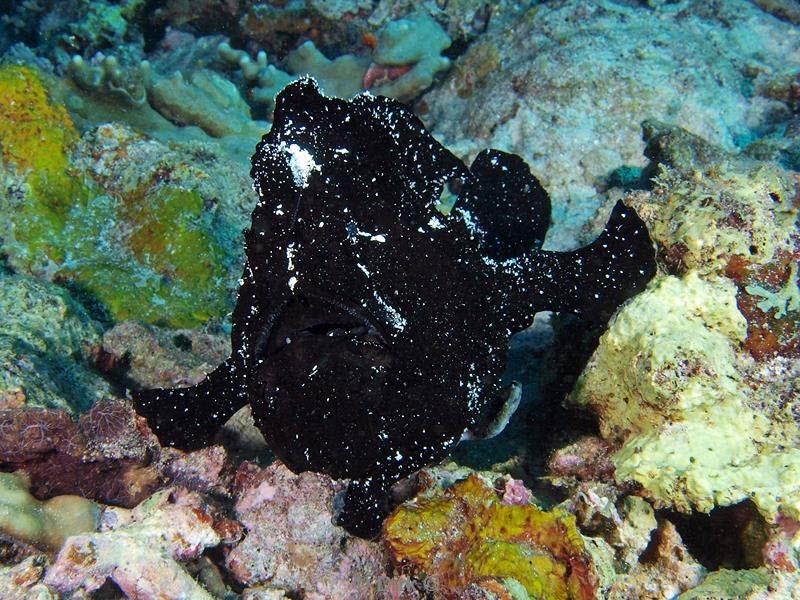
729 537
553 425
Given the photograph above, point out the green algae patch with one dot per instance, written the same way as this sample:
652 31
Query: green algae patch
146 251
179 279
151 256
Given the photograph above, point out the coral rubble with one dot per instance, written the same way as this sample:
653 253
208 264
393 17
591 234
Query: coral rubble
291 541
141 551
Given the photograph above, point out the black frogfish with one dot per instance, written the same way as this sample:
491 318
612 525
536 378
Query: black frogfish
370 330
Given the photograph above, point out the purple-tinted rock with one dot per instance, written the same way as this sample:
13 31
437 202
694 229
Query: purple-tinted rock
291 541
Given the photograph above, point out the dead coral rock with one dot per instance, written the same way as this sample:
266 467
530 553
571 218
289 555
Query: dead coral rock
113 430
695 379
666 570
23 581
291 540
142 556
589 458
555 100
783 9
154 357
205 470
749 584
46 338
626 525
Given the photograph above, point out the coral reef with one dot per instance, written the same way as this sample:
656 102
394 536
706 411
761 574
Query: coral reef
665 385
115 248
733 216
625 524
589 458
36 135
406 57
265 79
667 570
718 212
104 75
341 77
467 533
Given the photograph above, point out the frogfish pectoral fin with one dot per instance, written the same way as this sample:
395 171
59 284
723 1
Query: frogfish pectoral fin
502 406
187 418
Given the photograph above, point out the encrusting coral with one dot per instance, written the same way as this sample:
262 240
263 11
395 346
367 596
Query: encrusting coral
406 58
467 533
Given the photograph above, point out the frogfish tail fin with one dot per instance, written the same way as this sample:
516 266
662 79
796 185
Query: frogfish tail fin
593 281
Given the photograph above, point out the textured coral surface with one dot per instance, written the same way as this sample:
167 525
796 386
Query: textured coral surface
467 533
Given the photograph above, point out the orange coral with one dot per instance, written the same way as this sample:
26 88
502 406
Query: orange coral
465 535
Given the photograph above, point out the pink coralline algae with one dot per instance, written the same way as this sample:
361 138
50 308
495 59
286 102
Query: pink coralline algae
779 552
515 492
589 458
291 542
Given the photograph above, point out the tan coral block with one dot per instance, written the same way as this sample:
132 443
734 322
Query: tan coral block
665 385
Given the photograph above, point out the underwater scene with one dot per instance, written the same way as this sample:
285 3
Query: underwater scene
403 300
